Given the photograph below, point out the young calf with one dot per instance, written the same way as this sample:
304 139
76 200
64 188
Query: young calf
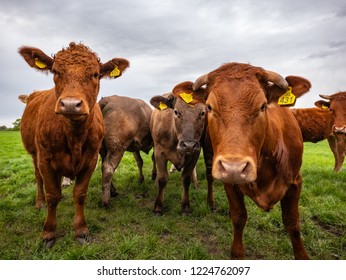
177 126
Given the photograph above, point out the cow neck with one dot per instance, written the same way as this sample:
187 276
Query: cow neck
76 134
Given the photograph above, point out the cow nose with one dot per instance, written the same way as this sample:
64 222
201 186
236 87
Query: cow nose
188 145
236 171
70 105
340 129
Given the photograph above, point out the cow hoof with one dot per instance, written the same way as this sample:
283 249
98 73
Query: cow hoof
186 212
114 192
157 213
153 176
105 205
83 240
39 205
140 180
48 243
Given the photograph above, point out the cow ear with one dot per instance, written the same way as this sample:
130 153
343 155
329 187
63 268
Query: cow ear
322 104
297 86
114 68
162 103
36 58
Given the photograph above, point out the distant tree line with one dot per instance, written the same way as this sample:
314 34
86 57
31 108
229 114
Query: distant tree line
16 126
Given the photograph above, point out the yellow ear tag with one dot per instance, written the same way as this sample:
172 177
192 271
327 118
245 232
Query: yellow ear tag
288 98
187 97
324 106
115 72
40 64
163 106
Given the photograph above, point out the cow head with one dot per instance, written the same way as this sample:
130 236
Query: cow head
77 72
337 105
239 96
189 110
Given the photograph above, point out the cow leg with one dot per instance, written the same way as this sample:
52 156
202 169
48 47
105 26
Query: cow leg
53 196
109 165
154 171
139 161
186 181
194 177
208 161
40 197
238 215
161 182
340 151
332 145
80 190
290 217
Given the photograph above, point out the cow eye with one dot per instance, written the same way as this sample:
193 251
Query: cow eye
96 75
263 107
202 113
176 113
209 107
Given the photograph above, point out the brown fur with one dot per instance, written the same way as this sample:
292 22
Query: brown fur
337 105
257 146
127 129
315 123
177 133
64 142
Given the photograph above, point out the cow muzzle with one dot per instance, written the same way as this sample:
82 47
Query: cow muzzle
234 171
188 146
71 106
340 129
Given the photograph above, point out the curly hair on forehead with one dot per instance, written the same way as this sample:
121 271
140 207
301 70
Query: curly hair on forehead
77 49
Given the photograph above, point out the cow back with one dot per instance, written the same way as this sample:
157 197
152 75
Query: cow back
315 123
126 122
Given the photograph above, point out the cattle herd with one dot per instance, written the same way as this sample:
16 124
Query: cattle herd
237 114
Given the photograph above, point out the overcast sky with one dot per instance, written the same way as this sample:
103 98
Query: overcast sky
168 42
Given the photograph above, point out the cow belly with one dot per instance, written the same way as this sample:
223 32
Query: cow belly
265 196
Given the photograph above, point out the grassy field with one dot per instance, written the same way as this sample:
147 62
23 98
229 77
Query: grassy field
129 230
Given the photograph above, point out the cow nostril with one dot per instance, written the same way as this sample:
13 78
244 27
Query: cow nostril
245 170
62 104
182 144
79 105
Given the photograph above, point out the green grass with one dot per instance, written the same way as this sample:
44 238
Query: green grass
129 230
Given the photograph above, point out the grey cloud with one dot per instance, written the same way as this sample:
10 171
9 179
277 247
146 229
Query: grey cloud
168 42
341 12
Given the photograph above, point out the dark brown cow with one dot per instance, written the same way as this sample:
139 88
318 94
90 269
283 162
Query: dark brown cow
316 124
127 128
337 105
257 144
62 128
177 127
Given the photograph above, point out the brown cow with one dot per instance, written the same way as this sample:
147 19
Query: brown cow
257 144
62 128
316 124
177 127
126 123
337 105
